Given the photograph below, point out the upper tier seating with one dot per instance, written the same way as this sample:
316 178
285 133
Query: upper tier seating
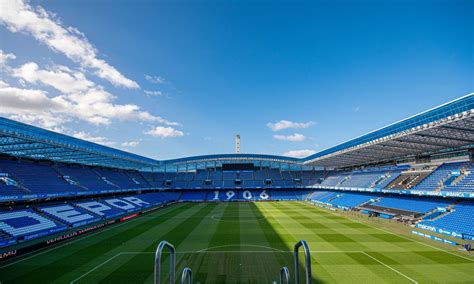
37 178
335 178
361 179
10 189
436 180
407 180
246 175
87 178
387 179
137 177
121 179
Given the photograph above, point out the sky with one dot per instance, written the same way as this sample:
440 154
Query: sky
170 79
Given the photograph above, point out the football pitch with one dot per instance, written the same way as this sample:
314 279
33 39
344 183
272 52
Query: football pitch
243 243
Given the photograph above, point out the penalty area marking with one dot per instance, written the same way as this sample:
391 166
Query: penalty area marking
389 267
274 250
388 232
240 245
218 217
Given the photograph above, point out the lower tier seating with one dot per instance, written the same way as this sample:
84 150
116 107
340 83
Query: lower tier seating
411 203
28 224
459 220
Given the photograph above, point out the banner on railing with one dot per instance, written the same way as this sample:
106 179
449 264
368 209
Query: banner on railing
435 238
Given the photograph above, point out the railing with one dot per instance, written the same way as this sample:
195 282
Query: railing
284 271
158 253
187 275
307 255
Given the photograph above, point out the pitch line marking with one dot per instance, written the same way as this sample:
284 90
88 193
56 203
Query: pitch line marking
244 251
401 236
391 268
239 245
96 267
218 216
203 251
62 245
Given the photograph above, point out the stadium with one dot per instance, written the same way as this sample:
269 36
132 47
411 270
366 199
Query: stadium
77 211
394 205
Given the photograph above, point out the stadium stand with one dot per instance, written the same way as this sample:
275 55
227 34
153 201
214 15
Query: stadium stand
36 178
194 196
27 224
350 200
69 215
459 220
443 176
464 182
51 182
410 203
100 209
411 177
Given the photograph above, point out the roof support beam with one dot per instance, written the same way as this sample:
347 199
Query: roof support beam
424 142
444 137
458 128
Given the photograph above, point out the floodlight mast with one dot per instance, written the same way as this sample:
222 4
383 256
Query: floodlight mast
237 144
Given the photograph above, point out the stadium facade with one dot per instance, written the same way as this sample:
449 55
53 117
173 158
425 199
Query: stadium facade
419 169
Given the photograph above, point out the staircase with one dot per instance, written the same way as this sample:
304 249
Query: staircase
11 180
68 179
464 173
379 180
344 180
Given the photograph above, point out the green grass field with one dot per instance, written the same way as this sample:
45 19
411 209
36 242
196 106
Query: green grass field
243 243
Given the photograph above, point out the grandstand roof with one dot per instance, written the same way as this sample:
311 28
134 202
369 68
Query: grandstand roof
448 126
26 141
258 159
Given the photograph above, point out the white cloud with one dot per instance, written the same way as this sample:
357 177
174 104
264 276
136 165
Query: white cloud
96 139
30 106
293 138
285 124
19 16
130 144
4 57
80 98
164 132
299 153
153 93
155 79
60 77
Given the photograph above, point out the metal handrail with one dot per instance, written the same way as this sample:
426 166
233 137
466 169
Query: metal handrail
187 272
307 261
284 271
159 251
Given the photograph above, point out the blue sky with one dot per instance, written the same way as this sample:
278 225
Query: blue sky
168 79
